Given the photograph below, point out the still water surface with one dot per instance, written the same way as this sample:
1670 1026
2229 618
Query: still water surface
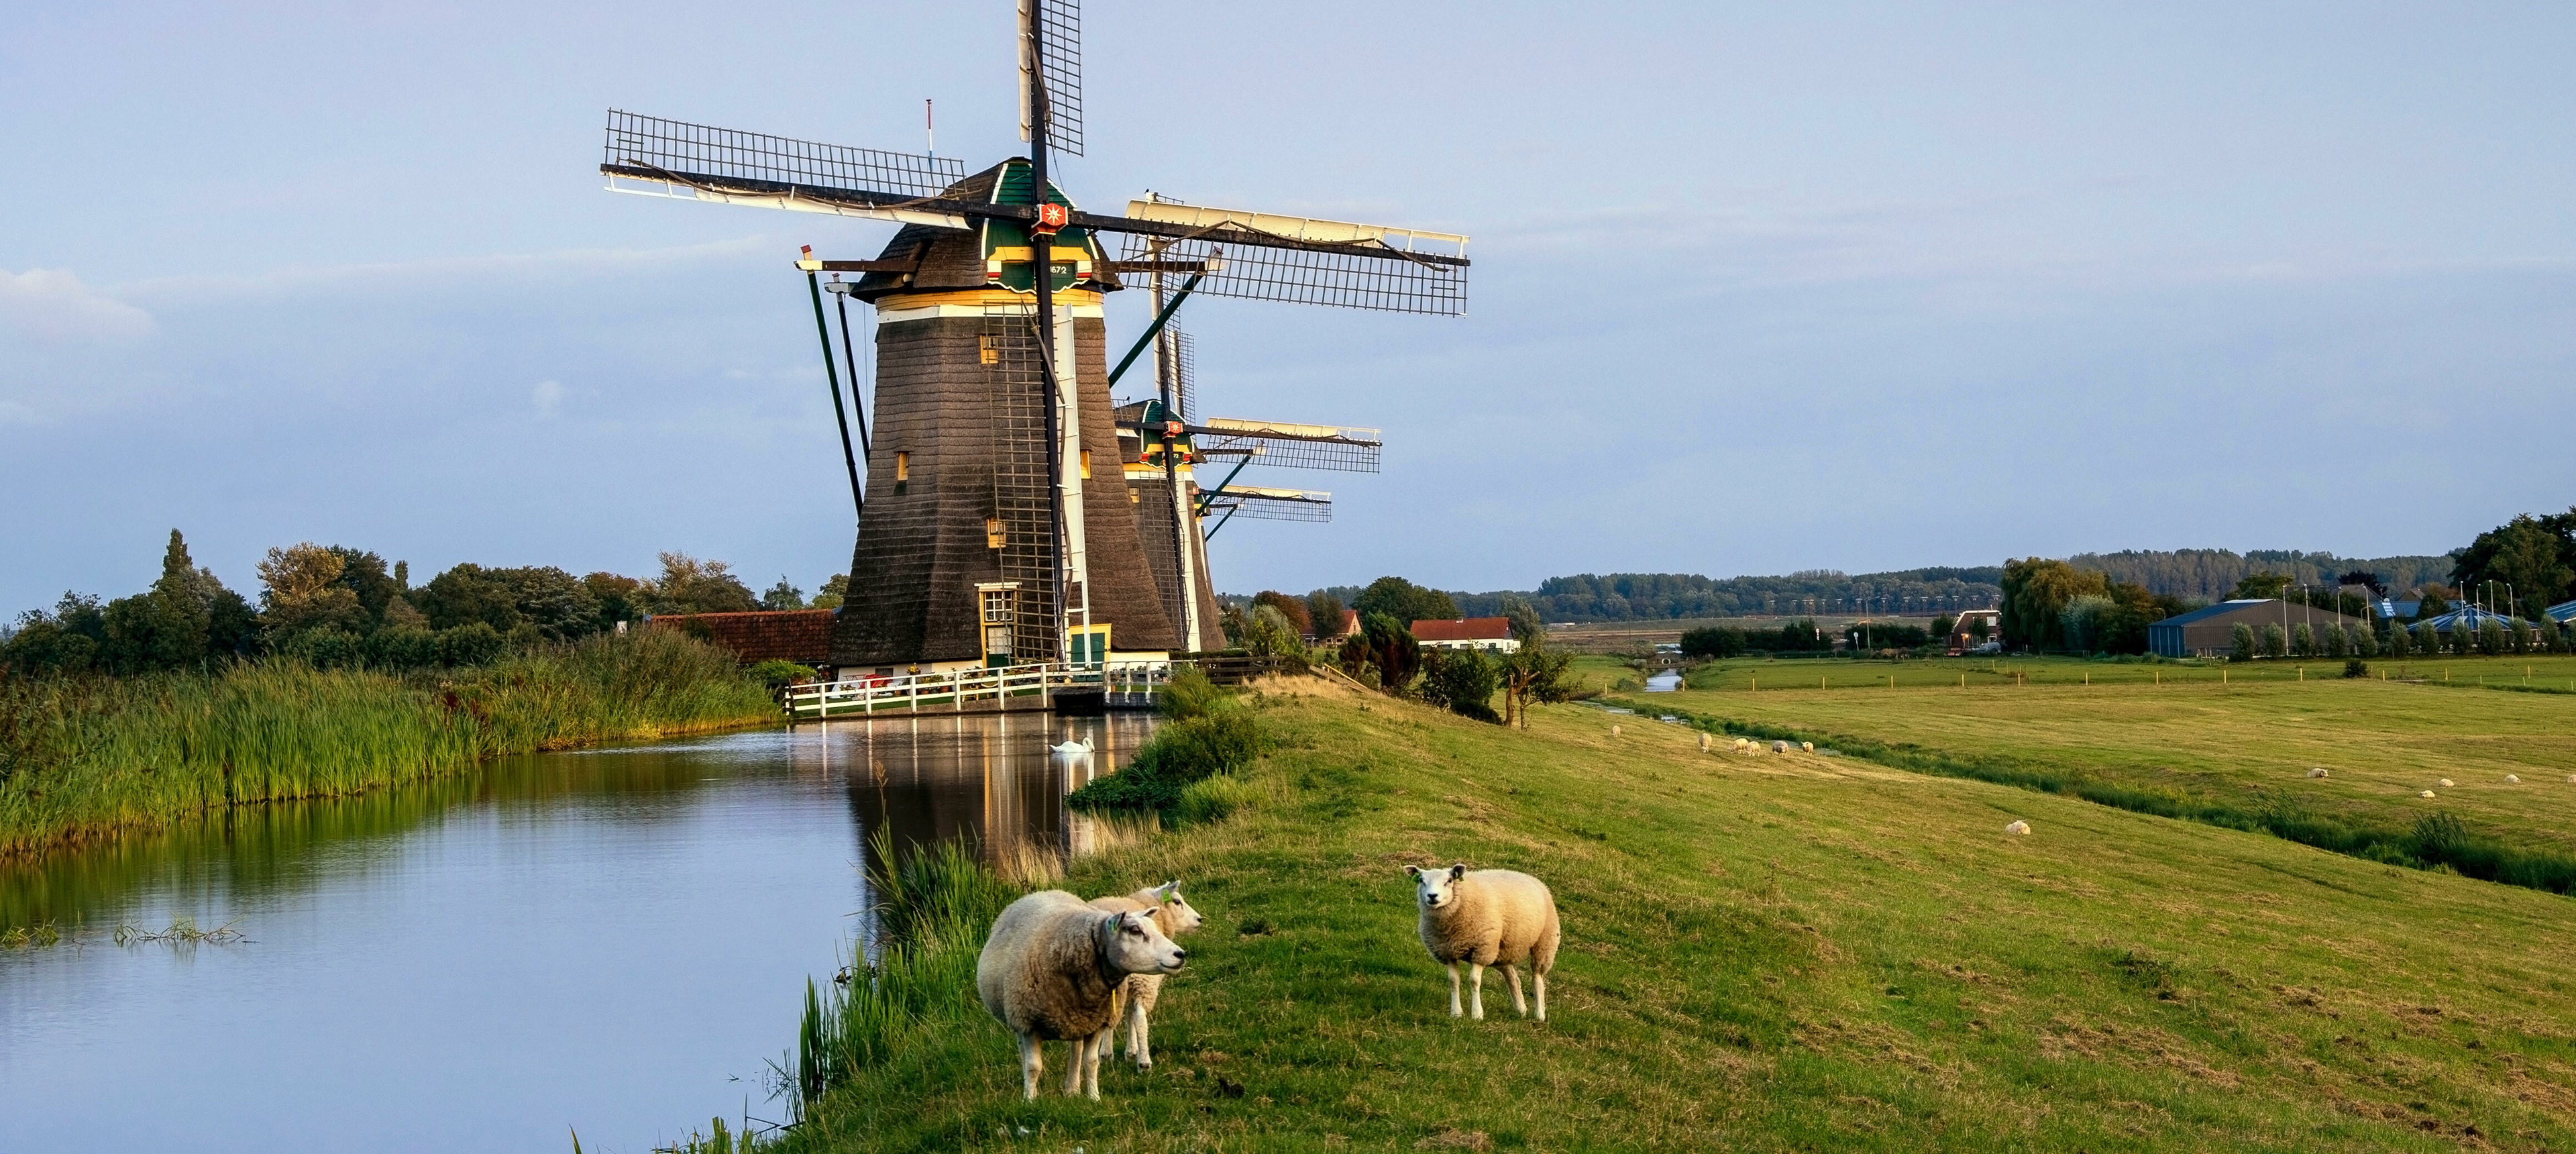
611 941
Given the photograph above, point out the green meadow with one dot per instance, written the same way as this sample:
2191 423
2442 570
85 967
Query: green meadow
2242 736
1774 952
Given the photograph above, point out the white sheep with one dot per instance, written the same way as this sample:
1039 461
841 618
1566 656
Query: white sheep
1614 731
2444 783
2018 827
2319 771
1173 915
2426 793
1779 747
2513 779
1484 918
1706 741
1806 747
1052 970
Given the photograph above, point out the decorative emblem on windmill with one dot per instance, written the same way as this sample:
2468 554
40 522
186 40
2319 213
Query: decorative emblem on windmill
993 527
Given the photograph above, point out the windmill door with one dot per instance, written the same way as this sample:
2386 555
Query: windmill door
1000 615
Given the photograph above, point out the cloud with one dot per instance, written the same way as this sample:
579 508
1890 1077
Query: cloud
53 305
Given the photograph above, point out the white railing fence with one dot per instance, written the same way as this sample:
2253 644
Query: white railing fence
1128 686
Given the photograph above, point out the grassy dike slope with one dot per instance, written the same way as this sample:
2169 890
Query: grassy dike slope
2382 741
1775 953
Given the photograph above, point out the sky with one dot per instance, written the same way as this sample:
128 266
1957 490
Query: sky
1757 287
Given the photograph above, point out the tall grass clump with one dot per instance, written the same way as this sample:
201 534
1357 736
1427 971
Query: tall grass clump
1208 735
83 755
915 980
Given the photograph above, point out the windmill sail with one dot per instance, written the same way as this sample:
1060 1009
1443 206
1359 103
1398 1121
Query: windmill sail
1304 260
1260 503
1334 447
653 156
1059 61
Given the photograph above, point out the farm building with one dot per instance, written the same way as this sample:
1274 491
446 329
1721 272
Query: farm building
1964 633
2211 632
2562 613
803 636
1491 634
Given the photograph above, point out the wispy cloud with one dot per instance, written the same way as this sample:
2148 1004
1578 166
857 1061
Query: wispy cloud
51 304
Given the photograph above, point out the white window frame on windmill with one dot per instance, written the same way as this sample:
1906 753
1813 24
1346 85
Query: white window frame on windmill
997 605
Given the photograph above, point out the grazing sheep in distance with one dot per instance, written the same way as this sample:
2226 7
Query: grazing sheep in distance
2319 771
1806 747
1484 918
1052 971
2444 783
2426 793
1172 915
2513 779
1779 747
1705 741
2018 826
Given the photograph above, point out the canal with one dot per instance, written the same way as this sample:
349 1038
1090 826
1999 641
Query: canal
611 941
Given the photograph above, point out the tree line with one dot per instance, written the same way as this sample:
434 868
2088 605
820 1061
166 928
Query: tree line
335 605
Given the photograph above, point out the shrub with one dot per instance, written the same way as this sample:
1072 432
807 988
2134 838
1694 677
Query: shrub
779 675
329 647
1184 753
2355 667
2337 643
2303 641
2399 641
402 647
2490 638
2365 641
2240 643
473 643
2276 641
1713 641
1462 681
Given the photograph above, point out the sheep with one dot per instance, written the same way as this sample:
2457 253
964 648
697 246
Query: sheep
1052 970
1173 915
2513 779
2018 827
1484 918
1614 731
1705 741
1806 747
2444 783
2426 793
2318 771
1779 747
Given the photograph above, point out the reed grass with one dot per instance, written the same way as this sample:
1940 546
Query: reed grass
82 757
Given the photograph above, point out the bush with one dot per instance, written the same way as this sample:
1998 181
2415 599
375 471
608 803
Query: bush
402 647
329 647
2240 645
779 675
474 643
1461 681
2355 667
1184 753
1713 641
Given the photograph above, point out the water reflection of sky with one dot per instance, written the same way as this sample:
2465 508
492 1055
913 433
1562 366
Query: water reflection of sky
602 940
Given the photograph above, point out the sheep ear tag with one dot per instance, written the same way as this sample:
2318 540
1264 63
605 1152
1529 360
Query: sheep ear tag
1171 891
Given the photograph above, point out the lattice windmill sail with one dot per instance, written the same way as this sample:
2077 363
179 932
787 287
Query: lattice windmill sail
993 526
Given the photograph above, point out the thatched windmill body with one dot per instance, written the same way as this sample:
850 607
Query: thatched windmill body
999 522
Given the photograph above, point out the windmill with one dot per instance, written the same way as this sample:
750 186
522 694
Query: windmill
991 530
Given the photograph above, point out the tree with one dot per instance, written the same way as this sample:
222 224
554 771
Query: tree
1461 681
1324 610
363 575
2490 637
622 598
2036 592
1944 627
783 596
2263 586
66 640
832 593
1267 632
1405 601
2434 601
2428 640
1711 641
2240 642
1534 673
689 585
2276 641
2333 642
2303 640
1385 646
2536 555
1527 627
1291 609
2080 622
301 589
